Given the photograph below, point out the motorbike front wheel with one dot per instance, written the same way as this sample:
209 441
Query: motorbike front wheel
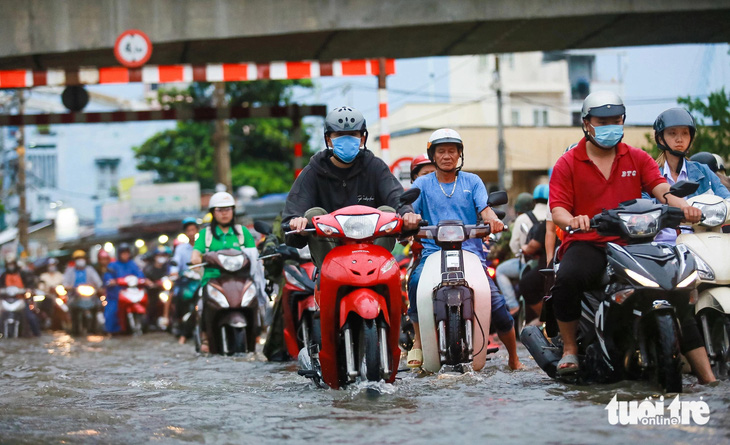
370 351
719 325
454 337
667 362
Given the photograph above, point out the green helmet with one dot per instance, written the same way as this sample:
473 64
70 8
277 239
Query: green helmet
524 203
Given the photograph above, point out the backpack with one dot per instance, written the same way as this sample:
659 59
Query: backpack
532 234
209 236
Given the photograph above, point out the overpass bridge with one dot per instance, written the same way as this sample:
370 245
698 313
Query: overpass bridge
43 34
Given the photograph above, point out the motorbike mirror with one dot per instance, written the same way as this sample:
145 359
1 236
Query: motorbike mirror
262 227
497 198
684 188
500 213
524 228
409 196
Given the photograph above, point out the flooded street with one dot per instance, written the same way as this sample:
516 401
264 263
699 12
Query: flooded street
56 389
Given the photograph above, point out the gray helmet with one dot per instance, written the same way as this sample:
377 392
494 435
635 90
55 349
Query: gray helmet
603 104
524 203
674 117
710 159
344 119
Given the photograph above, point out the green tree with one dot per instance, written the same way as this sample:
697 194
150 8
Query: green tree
713 119
261 149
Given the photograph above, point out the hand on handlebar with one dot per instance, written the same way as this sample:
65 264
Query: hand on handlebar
579 223
298 224
692 214
411 221
495 225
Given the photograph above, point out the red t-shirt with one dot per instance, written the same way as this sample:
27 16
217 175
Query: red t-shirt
578 186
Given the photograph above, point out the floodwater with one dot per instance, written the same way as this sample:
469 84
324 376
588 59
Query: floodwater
149 389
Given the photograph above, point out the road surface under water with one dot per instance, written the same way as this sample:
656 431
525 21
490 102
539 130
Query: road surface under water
149 389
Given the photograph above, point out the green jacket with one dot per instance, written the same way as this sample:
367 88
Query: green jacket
222 241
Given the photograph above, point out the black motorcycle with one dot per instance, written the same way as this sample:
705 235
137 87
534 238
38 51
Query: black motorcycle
629 328
84 308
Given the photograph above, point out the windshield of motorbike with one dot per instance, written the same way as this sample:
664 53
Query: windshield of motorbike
451 234
358 226
640 225
231 263
715 214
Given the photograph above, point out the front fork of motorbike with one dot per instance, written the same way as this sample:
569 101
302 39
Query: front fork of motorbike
384 359
349 354
708 339
469 339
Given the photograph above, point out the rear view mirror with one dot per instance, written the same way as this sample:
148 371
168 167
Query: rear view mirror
684 188
262 227
409 196
497 198
500 213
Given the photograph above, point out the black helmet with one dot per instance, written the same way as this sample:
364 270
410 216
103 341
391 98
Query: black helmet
674 117
710 159
124 247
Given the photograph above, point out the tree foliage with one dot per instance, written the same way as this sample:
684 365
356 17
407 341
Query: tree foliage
261 149
713 119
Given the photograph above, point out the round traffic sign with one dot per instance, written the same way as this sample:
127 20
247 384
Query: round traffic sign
133 48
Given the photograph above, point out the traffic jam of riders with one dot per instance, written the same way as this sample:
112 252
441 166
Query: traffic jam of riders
613 270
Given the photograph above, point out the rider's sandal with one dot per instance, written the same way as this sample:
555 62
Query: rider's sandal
415 358
570 359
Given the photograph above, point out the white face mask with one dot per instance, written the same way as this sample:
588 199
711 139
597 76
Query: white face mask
80 263
52 269
160 260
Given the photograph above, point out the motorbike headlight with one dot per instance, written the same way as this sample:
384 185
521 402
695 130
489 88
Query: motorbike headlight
642 280
714 214
60 290
704 271
358 226
39 298
217 296
85 290
231 263
167 284
59 302
639 225
389 227
450 234
164 296
689 280
304 253
249 295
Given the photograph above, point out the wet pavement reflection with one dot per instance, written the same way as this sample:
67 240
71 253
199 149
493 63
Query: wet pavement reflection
58 389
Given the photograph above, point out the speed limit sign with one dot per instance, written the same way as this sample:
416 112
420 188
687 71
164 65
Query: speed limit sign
133 48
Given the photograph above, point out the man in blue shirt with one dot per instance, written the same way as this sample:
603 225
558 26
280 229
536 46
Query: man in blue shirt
449 194
121 268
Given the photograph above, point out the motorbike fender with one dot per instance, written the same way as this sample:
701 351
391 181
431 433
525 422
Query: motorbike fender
717 298
366 303
448 296
233 318
482 304
306 304
137 308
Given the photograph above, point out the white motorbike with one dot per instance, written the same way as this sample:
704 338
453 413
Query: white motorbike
710 247
12 305
453 297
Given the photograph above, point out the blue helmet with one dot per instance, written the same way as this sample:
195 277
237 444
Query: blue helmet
542 191
187 221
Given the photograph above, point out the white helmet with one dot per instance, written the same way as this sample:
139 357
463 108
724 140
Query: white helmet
221 199
603 104
444 136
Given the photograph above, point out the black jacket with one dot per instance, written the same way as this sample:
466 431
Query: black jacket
369 182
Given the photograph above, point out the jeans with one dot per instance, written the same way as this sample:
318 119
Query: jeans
506 272
501 318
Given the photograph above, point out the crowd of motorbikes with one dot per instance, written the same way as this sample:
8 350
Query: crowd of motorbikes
347 321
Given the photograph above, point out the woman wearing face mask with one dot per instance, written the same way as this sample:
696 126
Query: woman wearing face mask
81 273
674 131
155 271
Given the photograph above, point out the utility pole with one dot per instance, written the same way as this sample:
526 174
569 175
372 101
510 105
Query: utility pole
501 161
221 144
383 100
22 213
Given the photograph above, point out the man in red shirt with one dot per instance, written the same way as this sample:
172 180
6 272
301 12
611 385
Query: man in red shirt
599 173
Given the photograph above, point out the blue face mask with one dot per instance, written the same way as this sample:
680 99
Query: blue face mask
346 148
607 136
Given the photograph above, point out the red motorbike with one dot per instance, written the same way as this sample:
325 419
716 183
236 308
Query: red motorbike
301 323
132 305
359 298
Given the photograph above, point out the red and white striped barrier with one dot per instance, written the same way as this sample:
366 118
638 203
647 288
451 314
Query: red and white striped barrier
384 130
225 72
200 114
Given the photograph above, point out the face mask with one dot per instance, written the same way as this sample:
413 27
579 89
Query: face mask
52 269
80 263
12 269
161 260
607 136
346 148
